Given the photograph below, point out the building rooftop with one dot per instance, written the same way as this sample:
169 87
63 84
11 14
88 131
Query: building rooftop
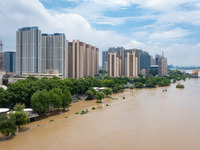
28 28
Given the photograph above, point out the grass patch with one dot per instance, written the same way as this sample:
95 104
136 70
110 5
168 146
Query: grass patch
66 117
51 120
77 113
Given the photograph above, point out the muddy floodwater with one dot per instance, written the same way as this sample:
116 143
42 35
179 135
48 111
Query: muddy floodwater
148 119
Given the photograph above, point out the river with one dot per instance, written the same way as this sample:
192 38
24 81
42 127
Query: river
148 119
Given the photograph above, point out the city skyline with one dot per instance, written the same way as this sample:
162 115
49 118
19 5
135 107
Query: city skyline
153 26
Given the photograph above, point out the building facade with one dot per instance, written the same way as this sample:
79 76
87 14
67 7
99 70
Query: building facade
28 44
105 60
114 65
10 61
82 60
52 54
131 65
162 66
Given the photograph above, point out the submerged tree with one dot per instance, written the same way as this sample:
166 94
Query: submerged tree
100 96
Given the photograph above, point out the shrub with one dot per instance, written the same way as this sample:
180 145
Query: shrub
93 108
77 113
123 97
180 86
131 87
51 120
107 105
84 111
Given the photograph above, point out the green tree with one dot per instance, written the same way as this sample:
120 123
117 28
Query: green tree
115 89
89 93
54 99
150 83
107 91
67 98
20 117
40 101
7 125
138 85
100 96
4 101
19 107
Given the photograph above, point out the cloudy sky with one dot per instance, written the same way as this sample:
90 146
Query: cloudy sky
171 26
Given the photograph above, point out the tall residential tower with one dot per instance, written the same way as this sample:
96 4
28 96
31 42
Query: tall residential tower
28 44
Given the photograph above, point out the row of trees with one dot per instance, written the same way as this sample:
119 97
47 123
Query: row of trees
152 81
23 90
43 101
56 89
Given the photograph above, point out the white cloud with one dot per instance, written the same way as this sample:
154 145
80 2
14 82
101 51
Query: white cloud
174 34
15 14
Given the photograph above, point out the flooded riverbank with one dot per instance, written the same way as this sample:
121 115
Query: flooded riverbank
148 119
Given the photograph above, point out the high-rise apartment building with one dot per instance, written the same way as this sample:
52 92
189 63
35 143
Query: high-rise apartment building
144 60
162 66
82 59
36 52
52 54
131 65
114 65
105 60
28 44
10 61
157 56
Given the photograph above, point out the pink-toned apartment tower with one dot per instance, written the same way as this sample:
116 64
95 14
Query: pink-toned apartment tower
131 63
114 65
82 60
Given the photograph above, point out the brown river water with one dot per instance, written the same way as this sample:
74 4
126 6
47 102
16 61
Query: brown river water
148 119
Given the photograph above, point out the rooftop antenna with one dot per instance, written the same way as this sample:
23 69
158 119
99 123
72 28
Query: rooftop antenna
1 55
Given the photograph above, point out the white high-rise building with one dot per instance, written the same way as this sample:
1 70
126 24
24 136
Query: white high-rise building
52 54
28 44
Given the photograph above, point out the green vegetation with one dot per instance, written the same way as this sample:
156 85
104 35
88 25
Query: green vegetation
20 117
51 120
46 94
84 111
77 113
93 108
138 85
131 87
100 96
7 125
123 97
180 86
107 105
108 91
89 93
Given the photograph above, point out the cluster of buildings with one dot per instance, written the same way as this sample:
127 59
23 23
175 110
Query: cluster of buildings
130 62
38 53
46 55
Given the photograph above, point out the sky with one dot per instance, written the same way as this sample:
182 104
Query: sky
155 26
